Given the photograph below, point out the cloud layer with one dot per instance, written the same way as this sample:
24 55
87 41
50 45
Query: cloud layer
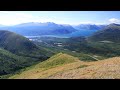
114 20
12 18
17 17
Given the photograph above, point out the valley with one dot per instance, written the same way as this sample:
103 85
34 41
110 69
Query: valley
57 51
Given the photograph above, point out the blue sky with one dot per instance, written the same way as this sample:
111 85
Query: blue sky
60 17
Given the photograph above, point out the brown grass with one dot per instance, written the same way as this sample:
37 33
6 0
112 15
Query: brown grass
104 69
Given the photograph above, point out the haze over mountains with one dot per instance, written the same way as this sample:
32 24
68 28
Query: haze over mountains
50 28
35 29
89 27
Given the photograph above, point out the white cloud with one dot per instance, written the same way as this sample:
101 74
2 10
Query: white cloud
114 20
15 17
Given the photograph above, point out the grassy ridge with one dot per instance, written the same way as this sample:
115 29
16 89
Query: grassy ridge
55 61
63 66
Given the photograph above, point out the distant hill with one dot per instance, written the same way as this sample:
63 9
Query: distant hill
109 33
35 29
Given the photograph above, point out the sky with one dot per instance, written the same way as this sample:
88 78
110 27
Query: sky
60 17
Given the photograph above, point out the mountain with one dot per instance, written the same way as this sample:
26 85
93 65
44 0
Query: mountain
17 52
109 33
64 66
21 45
89 27
35 29
15 43
85 30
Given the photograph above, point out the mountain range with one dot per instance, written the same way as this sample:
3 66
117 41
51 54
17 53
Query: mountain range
35 29
50 28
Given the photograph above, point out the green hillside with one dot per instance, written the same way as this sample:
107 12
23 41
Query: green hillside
15 43
9 62
58 59
55 61
17 52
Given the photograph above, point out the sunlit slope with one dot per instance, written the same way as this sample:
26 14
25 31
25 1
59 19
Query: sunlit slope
55 64
105 69
63 66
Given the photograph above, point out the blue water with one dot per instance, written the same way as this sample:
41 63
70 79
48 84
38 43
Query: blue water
74 34
82 33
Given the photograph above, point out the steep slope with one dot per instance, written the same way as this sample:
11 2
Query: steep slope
14 42
19 45
49 67
109 33
105 69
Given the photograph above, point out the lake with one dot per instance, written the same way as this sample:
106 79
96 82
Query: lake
81 32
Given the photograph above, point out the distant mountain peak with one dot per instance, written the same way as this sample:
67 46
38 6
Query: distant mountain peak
114 24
